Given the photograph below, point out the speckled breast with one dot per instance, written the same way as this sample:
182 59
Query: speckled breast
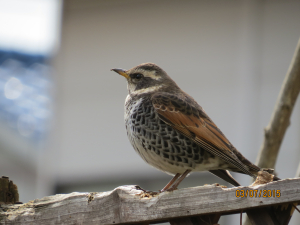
159 144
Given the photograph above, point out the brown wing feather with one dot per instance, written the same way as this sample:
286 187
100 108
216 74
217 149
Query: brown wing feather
195 124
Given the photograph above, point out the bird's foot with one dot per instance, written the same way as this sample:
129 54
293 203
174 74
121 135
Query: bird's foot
147 191
137 187
169 189
155 192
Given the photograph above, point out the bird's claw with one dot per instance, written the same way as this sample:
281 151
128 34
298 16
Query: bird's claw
155 192
147 191
169 189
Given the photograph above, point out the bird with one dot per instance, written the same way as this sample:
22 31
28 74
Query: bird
172 132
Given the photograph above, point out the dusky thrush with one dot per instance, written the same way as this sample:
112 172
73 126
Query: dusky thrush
172 132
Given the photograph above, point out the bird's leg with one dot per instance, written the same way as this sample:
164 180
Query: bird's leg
170 183
175 185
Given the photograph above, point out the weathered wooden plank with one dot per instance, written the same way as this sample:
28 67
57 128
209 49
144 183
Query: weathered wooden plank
127 204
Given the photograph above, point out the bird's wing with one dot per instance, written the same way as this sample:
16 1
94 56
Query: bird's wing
192 121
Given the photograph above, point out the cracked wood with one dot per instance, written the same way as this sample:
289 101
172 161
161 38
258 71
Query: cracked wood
127 204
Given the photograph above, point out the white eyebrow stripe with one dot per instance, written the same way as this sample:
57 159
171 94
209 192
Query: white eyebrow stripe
147 90
153 76
150 74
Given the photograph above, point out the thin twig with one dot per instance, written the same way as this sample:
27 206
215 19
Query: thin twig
241 217
296 208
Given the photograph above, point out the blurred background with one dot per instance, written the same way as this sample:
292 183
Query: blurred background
61 108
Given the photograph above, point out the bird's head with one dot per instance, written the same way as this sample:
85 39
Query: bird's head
146 78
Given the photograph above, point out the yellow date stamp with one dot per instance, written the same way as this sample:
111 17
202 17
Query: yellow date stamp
257 193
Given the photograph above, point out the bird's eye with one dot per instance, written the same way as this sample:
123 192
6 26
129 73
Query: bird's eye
137 76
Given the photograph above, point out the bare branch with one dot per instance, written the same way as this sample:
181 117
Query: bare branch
280 118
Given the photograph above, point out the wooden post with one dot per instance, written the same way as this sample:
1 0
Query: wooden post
8 191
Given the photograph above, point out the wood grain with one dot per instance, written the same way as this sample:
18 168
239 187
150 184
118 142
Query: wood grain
127 204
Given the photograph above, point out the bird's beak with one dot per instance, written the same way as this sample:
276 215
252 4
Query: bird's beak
121 72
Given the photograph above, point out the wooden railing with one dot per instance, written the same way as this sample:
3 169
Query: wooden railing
271 203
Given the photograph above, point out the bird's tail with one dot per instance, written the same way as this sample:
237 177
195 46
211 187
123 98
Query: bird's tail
225 175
